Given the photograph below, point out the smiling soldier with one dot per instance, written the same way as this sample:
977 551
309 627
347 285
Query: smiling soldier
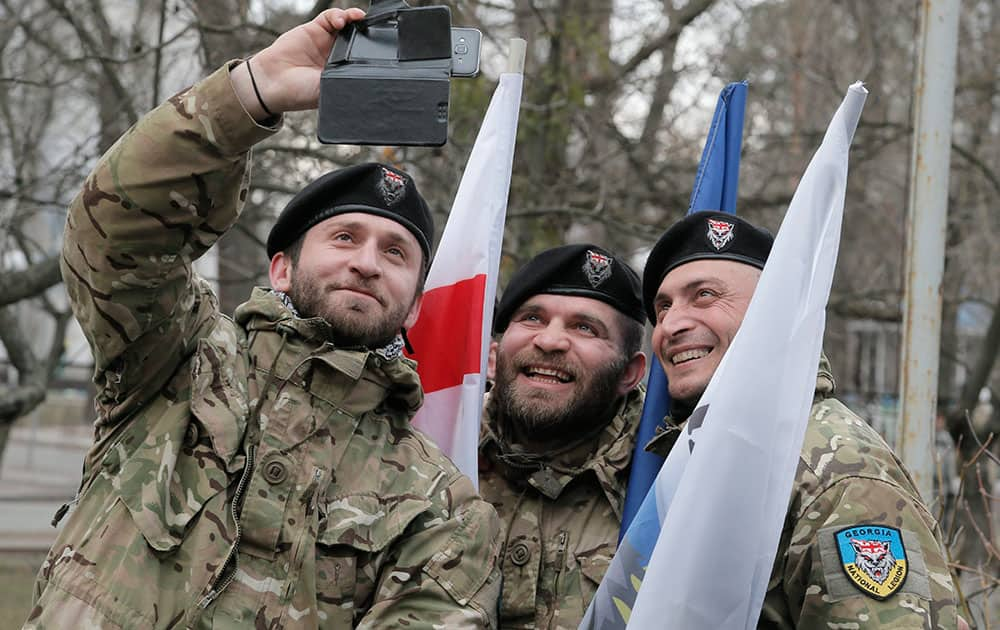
559 427
859 549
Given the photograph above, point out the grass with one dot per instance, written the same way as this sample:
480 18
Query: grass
17 575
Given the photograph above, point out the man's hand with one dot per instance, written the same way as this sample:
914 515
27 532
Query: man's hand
287 72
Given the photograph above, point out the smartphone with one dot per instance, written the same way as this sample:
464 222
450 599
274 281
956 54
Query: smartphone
465 44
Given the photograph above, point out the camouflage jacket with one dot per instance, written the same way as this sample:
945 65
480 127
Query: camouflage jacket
849 478
561 514
245 472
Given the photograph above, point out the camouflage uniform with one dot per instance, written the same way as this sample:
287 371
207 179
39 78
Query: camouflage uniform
562 513
245 472
848 476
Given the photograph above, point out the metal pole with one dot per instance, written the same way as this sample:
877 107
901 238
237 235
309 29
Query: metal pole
934 93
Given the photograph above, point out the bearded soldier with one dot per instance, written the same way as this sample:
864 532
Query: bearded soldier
559 428
859 549
258 471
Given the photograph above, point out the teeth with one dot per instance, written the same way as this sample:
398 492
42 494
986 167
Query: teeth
562 377
687 355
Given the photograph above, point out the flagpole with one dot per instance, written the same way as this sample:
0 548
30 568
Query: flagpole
515 58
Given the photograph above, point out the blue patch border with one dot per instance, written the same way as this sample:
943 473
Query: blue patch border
843 561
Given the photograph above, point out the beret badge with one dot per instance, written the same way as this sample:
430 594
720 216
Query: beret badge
391 186
597 268
720 233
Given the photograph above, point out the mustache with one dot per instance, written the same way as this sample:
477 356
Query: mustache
361 287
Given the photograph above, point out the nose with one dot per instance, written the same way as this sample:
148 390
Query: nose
676 321
365 260
552 338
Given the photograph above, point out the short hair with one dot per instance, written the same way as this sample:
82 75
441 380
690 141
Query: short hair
632 334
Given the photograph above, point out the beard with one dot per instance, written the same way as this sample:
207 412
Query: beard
541 416
350 323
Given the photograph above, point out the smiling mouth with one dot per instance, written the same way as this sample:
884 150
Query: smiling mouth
689 355
547 375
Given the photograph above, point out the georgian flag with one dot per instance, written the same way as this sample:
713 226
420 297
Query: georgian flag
451 338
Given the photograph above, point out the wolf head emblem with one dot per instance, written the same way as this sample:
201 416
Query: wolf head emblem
597 267
720 233
392 187
874 558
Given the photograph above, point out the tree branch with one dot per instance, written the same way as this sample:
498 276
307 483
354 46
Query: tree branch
110 75
18 285
679 19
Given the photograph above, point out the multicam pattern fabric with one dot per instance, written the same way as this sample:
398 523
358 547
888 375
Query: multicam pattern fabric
848 476
245 472
561 514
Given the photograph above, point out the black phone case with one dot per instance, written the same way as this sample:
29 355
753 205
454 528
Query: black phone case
389 86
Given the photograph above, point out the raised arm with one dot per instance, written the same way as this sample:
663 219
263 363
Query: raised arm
160 197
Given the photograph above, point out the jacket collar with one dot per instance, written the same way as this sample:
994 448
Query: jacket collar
377 378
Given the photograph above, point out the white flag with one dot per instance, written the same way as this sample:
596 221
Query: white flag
452 334
722 499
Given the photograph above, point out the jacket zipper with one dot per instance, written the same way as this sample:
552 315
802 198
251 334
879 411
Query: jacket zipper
562 539
231 560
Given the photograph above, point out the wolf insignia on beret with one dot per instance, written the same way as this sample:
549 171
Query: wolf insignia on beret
720 233
873 558
597 267
392 187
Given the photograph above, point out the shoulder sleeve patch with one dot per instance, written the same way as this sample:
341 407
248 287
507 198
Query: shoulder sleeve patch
877 560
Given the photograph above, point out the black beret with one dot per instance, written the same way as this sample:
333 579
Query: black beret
701 235
581 270
371 188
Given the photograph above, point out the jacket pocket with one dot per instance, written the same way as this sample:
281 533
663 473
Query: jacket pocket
175 457
468 558
593 566
157 512
354 530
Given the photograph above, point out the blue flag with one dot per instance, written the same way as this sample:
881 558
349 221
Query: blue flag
714 189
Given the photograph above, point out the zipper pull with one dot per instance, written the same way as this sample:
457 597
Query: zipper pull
64 508
563 539
208 599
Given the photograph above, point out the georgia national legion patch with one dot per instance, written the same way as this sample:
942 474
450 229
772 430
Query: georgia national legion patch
873 557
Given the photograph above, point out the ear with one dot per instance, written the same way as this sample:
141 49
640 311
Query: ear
635 369
411 317
280 272
491 361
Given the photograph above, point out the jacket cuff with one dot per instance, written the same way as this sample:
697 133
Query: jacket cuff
237 130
